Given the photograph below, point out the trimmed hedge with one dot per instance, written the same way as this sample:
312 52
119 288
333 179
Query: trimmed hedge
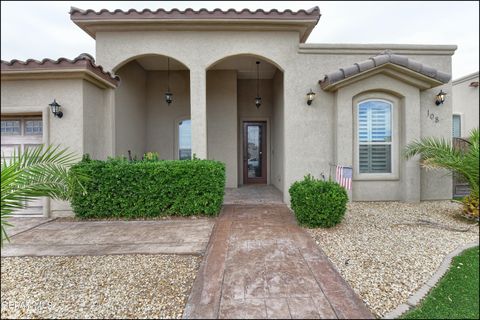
120 188
318 203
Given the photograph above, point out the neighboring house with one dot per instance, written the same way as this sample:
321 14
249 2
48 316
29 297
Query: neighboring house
465 105
371 99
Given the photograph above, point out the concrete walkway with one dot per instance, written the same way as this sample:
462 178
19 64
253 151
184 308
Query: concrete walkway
260 264
253 194
22 224
61 238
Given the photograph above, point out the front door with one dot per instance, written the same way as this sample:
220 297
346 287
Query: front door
254 152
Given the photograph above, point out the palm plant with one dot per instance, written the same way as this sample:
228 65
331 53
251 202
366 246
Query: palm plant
36 172
440 153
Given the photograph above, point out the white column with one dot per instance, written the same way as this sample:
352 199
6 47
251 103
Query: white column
198 111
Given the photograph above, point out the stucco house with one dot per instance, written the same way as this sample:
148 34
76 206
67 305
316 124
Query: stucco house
465 105
242 87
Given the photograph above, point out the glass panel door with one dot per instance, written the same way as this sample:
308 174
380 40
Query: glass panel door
254 155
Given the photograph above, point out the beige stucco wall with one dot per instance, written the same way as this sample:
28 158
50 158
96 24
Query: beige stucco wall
303 65
302 139
314 125
436 184
404 182
25 96
222 121
277 132
131 111
465 102
97 121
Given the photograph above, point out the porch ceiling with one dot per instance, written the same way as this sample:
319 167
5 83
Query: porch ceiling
159 63
246 67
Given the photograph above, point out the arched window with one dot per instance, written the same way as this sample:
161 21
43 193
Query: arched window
184 139
374 136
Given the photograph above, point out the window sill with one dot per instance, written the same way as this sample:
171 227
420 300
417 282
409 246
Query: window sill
376 177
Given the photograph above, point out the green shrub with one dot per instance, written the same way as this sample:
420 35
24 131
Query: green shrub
130 189
318 203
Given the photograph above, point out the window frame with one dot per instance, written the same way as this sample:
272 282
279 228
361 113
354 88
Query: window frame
24 124
20 130
177 137
460 117
394 143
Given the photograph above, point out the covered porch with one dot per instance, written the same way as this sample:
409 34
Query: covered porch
240 123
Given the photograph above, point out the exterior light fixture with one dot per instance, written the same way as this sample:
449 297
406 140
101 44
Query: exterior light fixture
258 99
440 98
310 97
56 109
168 94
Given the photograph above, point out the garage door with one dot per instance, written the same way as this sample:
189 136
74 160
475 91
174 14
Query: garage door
19 133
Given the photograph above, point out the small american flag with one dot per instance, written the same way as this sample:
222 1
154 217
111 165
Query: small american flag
343 176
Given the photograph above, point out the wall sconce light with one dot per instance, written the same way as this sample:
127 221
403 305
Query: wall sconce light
440 98
56 109
310 97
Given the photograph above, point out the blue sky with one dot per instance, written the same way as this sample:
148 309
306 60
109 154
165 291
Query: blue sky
43 29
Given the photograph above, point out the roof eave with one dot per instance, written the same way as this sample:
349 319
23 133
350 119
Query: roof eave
56 74
91 27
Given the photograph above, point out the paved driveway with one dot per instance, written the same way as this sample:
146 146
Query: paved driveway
260 264
62 238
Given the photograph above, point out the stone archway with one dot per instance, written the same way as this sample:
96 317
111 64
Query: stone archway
144 121
231 91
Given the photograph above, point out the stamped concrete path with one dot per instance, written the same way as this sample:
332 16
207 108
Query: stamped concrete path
260 264
50 237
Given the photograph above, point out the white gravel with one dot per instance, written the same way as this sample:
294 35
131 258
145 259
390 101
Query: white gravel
116 286
385 260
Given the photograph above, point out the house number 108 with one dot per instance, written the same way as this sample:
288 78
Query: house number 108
432 116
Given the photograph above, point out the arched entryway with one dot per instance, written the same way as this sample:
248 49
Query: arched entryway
247 136
143 120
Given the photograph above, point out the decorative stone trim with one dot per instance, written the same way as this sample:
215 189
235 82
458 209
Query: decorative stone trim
418 296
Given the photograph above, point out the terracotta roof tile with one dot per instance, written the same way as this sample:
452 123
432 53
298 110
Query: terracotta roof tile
383 58
91 21
203 13
84 60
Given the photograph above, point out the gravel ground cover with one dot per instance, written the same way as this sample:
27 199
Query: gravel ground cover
116 286
388 250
